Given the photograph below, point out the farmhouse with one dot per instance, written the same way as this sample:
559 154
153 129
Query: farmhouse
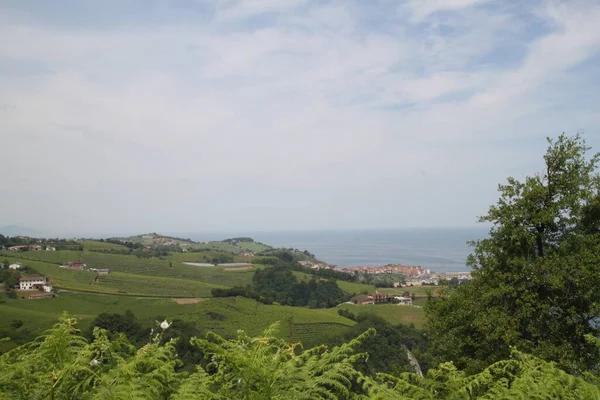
31 282
404 300
379 297
16 248
15 266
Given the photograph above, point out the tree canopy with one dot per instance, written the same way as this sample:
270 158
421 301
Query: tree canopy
535 278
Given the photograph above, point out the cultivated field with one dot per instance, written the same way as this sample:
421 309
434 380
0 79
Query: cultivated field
392 313
355 288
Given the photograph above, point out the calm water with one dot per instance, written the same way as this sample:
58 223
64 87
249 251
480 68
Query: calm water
439 249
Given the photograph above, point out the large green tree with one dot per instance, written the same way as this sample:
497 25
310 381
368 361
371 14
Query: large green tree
536 278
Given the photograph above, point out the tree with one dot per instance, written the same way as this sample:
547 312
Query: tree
535 277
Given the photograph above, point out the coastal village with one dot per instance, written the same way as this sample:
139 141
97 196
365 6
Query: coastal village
414 275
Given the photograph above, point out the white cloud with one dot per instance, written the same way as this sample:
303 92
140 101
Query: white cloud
313 101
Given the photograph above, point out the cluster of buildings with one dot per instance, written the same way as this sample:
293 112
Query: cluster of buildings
31 247
415 275
380 298
318 266
408 271
79 266
434 278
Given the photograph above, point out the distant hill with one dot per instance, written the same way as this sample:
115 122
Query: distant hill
15 230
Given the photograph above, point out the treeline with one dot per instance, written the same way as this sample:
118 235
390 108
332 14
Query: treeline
284 261
536 277
58 244
280 284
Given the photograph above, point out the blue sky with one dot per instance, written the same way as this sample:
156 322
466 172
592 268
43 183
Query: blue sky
194 115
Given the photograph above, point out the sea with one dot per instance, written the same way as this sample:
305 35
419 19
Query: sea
439 249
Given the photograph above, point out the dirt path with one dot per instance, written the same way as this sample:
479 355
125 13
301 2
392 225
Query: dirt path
189 301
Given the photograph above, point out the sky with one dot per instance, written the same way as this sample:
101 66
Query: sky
265 115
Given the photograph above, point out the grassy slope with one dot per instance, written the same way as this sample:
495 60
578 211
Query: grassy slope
392 313
237 313
55 257
355 288
143 285
126 283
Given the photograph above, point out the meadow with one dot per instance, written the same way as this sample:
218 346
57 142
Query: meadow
392 313
55 257
224 316
355 288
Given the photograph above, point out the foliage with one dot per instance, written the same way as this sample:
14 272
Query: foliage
535 279
280 284
63 365
241 291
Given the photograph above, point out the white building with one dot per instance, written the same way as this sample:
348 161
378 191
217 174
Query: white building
15 266
32 282
47 288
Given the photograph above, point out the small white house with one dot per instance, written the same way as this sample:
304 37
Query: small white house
47 288
15 266
32 282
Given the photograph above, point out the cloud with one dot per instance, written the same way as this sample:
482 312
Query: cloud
251 111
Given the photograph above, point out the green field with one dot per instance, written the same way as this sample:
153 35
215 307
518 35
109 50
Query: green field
419 291
392 313
236 313
355 288
55 257
142 285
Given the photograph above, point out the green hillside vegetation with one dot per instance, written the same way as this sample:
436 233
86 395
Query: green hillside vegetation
62 364
56 257
355 288
225 316
392 313
142 285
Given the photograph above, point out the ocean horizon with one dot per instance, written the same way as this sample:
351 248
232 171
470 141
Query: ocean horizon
439 249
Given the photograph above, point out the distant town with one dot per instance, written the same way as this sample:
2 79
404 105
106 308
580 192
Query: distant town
414 275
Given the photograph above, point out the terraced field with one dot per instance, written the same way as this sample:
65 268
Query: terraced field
312 334
224 316
125 263
143 285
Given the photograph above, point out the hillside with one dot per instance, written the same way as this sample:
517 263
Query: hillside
175 284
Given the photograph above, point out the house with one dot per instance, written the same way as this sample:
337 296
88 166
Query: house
379 298
32 282
50 248
47 288
362 299
15 266
404 300
16 248
100 271
247 254
35 247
